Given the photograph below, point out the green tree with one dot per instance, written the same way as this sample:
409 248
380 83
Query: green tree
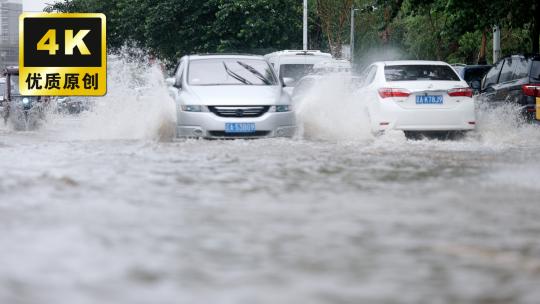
170 28
334 16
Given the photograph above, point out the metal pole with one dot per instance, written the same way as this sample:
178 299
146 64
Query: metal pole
305 25
496 43
352 34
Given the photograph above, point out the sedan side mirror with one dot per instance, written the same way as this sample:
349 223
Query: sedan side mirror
288 82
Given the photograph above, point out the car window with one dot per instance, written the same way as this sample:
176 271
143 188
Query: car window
521 69
420 72
507 72
535 70
476 73
492 76
179 73
230 71
295 71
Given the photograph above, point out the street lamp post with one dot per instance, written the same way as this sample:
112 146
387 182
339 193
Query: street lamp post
353 10
305 25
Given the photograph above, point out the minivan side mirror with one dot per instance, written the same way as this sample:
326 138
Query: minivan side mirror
288 81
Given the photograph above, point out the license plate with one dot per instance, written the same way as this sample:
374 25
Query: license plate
537 108
240 128
429 99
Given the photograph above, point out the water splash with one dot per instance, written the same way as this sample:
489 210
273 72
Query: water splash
330 111
137 104
504 125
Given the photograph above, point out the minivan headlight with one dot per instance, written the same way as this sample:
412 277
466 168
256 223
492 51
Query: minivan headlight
283 108
192 108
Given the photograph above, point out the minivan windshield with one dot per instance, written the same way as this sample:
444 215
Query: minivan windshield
535 70
419 72
230 71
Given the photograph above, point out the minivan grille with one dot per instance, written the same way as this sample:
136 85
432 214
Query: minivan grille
239 111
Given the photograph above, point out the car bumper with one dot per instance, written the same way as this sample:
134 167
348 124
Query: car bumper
460 118
209 125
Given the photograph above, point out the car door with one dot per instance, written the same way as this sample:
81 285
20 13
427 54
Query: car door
489 85
520 78
506 82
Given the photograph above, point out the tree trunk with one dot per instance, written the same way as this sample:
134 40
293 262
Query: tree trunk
483 49
535 33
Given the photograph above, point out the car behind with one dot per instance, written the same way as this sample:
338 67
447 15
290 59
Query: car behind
472 74
516 80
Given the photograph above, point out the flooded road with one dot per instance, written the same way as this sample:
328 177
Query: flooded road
268 221
103 215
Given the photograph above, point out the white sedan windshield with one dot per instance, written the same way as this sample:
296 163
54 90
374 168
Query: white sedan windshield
230 71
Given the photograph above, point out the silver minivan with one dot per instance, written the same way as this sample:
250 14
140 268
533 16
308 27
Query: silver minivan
230 96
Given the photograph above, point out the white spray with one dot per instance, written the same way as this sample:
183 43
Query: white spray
331 111
137 104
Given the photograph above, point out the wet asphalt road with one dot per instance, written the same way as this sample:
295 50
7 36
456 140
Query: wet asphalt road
101 220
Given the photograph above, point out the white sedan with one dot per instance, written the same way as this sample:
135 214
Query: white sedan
418 97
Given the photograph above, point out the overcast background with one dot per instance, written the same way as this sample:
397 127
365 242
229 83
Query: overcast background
35 5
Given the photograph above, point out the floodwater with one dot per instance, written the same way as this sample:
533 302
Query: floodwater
105 208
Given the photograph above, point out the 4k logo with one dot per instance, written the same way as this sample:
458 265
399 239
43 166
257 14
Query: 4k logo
62 54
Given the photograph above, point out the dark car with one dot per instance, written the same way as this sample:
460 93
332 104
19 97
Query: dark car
515 79
472 74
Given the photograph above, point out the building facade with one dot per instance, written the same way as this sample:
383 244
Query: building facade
9 32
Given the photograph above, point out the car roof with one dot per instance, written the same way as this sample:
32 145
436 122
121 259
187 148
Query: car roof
225 56
534 57
528 55
412 62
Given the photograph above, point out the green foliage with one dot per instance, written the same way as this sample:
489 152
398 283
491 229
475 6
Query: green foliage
244 25
450 30
170 28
